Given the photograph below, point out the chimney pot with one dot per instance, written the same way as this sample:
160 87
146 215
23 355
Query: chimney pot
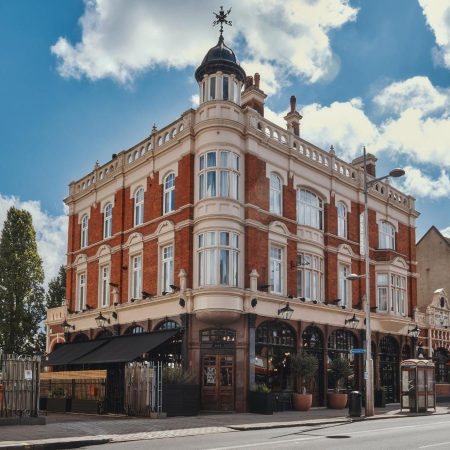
257 80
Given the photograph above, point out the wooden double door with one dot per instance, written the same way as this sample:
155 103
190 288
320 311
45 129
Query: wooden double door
218 382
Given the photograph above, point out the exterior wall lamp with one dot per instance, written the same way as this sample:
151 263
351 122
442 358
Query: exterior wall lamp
286 312
353 322
67 327
101 320
415 333
254 302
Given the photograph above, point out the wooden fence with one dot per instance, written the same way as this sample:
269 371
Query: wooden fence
19 385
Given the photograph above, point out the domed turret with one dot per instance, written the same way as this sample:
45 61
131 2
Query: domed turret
219 76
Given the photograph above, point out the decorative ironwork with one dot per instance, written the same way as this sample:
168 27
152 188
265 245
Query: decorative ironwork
221 19
275 333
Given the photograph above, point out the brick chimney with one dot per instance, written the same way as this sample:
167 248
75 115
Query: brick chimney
253 96
371 162
293 118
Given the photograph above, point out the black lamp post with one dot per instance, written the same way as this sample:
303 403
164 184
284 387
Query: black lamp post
285 312
414 333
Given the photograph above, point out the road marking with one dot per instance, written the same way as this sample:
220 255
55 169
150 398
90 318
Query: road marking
260 444
436 445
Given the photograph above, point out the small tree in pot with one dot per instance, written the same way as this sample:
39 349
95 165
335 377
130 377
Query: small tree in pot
304 367
340 370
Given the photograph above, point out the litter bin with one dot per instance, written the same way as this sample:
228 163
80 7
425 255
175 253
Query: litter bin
354 404
380 398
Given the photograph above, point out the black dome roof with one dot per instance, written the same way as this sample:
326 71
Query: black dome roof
220 58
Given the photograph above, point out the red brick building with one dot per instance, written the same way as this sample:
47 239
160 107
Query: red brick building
214 223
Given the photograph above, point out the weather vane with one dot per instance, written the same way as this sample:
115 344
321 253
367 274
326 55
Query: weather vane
222 19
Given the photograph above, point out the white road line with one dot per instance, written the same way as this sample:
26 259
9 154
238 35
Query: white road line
436 445
260 444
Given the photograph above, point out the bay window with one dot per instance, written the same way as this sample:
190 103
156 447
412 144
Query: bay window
391 293
310 277
219 174
309 209
218 256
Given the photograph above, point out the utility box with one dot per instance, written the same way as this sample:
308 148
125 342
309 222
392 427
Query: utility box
354 404
418 387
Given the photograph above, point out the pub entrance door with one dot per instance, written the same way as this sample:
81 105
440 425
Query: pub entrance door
218 382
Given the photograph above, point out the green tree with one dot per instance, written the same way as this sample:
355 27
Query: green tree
56 292
22 297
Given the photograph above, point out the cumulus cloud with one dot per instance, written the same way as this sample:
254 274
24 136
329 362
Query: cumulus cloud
418 184
51 232
446 232
120 38
437 14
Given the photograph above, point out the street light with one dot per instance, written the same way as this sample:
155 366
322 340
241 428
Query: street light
414 333
67 327
101 320
368 375
286 312
353 322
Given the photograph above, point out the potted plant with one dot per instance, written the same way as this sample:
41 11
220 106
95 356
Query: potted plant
260 400
340 370
304 367
180 396
58 401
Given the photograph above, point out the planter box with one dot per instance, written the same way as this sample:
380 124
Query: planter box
58 404
260 402
181 399
87 406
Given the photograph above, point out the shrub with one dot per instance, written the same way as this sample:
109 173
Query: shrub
341 370
262 387
304 366
176 375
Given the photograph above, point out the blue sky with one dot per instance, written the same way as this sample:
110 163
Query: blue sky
82 80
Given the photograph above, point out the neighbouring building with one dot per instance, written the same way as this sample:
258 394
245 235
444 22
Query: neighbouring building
215 225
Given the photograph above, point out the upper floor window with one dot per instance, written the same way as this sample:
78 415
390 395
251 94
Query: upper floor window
309 209
391 293
139 207
212 88
104 286
169 193
276 269
218 258
225 87
136 276
107 221
167 269
219 174
345 293
276 194
386 236
236 92
84 231
341 220
81 291
310 277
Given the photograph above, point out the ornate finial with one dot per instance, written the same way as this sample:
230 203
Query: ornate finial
332 149
96 165
154 129
222 19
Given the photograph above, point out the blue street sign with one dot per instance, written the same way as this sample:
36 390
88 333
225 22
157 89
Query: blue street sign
358 350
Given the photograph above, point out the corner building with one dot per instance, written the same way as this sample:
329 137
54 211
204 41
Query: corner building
215 223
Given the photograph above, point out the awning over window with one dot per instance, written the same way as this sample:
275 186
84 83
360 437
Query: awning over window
66 353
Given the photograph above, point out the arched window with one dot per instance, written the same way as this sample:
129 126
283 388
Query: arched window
309 209
107 221
167 325
80 337
103 334
276 194
134 329
169 193
386 235
225 87
342 220
84 231
139 207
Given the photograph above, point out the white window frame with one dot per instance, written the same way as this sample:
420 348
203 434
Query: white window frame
218 175
276 194
107 221
396 292
169 193
218 258
309 209
310 277
167 268
344 285
104 286
341 220
136 276
84 231
81 291
276 258
386 236
139 207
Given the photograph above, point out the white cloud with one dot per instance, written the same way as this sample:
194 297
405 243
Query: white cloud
51 232
120 38
195 100
418 184
437 14
446 232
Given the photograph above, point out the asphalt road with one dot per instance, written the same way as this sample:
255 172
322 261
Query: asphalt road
423 432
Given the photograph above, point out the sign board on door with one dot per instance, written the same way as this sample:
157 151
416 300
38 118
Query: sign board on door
28 375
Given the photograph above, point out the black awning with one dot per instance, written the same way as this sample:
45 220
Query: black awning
66 353
126 348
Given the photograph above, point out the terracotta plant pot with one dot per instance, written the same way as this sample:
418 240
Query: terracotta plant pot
302 402
337 401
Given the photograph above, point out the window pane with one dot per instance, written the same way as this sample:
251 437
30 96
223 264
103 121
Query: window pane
211 183
211 159
225 88
201 188
212 88
224 183
224 238
224 266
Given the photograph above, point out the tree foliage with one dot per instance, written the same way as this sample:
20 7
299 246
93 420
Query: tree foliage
22 307
56 292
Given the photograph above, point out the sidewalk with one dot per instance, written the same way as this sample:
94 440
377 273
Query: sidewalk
75 430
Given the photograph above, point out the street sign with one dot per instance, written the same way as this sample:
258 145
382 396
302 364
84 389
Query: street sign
358 350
